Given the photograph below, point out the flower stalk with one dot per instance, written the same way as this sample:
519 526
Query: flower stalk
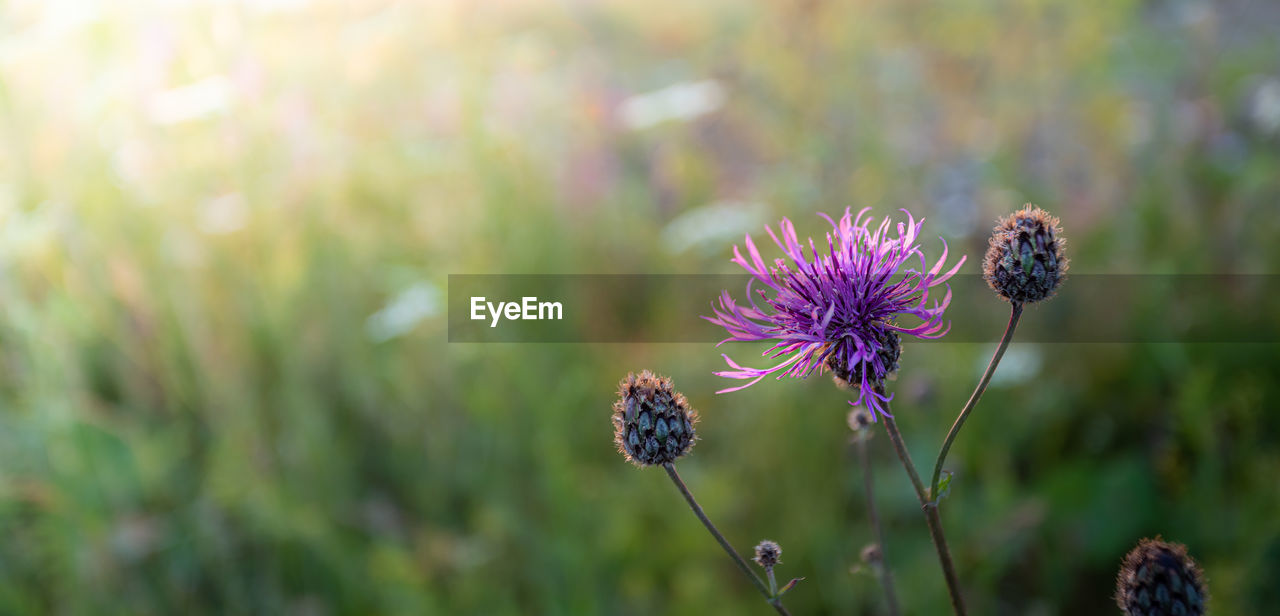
1014 315
931 516
771 597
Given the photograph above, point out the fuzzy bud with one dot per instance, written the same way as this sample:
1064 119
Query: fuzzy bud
653 423
1024 262
767 554
1157 578
860 418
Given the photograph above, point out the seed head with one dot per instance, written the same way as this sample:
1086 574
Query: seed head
653 423
871 554
767 554
1024 262
1157 578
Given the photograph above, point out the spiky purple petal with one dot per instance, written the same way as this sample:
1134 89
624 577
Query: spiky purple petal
832 308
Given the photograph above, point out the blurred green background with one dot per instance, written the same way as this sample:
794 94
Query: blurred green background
225 231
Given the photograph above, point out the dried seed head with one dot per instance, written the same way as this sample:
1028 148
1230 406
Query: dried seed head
1157 578
767 554
1024 262
653 423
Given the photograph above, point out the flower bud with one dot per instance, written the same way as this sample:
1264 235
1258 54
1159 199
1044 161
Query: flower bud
767 554
1024 262
860 418
653 423
1157 578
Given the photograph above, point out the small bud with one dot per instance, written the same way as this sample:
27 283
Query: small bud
1157 578
1024 262
767 554
653 423
871 554
860 418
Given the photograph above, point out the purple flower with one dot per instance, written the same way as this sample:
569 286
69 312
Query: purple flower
837 310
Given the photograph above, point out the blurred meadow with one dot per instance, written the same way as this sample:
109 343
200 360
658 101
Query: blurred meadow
226 230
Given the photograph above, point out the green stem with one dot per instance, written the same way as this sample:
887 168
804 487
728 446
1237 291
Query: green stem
886 577
1014 315
930 516
724 543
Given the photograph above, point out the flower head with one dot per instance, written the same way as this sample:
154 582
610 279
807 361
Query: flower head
837 310
653 423
1158 577
1024 261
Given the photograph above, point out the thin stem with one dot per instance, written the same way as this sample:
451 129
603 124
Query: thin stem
886 577
1014 315
900 447
930 516
724 543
